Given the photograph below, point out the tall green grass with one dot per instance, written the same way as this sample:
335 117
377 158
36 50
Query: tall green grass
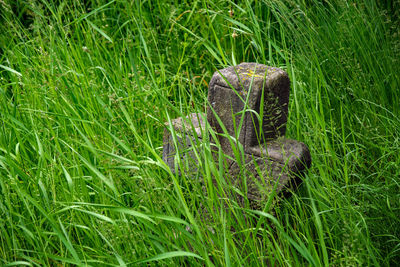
85 91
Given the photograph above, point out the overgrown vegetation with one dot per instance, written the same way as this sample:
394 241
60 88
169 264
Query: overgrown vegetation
87 85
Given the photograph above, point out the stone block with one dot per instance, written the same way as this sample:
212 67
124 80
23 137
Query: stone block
248 102
245 87
188 132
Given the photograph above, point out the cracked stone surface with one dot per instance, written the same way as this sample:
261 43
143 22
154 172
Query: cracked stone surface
249 86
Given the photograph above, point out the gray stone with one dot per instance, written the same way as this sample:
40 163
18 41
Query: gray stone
258 86
236 94
188 133
280 161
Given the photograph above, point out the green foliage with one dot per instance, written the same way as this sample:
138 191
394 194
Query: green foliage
85 89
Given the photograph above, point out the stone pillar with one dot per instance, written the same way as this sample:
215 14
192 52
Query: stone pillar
236 94
258 86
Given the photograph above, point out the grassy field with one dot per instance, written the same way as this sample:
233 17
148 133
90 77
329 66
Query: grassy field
85 90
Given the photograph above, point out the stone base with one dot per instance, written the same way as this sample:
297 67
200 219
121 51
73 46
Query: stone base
279 161
188 132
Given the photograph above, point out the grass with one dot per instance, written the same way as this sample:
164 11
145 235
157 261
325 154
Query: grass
85 91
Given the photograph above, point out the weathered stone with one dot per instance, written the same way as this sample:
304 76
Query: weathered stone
188 132
258 86
235 95
279 161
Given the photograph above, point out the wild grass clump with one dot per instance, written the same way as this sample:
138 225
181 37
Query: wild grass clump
85 89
